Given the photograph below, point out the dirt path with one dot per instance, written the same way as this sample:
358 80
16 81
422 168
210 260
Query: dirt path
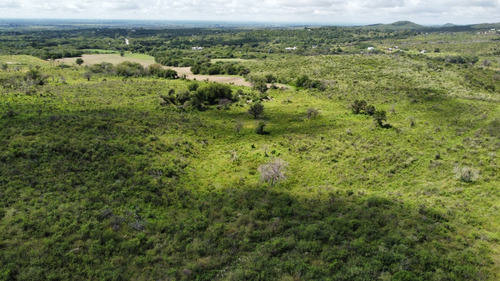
235 80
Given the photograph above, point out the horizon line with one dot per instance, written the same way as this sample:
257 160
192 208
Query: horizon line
239 22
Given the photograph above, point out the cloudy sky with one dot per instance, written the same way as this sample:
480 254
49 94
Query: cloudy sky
310 11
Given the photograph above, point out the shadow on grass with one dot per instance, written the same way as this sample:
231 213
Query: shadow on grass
89 200
241 234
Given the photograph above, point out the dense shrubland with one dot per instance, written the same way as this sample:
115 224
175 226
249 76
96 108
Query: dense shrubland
128 175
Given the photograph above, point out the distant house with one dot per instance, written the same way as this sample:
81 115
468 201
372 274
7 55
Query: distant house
291 48
423 51
371 48
390 49
197 48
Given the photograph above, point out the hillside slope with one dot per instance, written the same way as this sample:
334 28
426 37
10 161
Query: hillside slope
102 180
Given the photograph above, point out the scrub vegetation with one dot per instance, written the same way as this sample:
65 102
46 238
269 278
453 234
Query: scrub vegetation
369 165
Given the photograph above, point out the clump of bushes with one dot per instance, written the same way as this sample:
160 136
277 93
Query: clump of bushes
463 59
362 107
259 83
200 96
178 58
134 69
226 68
466 174
103 67
379 116
158 71
35 77
260 129
130 69
307 83
312 113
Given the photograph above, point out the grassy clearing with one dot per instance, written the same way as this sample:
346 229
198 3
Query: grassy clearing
91 59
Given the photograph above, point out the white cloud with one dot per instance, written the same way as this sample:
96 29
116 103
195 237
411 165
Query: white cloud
10 5
334 11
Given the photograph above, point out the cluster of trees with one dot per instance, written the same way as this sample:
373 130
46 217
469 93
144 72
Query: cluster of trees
179 58
134 69
362 107
33 77
200 96
305 82
56 53
459 59
227 68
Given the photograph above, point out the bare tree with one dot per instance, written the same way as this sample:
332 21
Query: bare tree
274 171
238 126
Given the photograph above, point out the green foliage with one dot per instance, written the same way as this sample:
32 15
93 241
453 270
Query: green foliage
158 71
200 96
79 61
256 109
220 67
87 75
358 106
380 116
361 106
130 69
259 84
100 182
212 93
261 128
457 59
35 77
104 67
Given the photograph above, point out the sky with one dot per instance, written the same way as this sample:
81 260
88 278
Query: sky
300 11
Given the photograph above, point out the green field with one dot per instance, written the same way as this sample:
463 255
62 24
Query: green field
111 176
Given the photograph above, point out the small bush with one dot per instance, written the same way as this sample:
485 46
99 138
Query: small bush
274 171
370 110
259 84
312 113
379 117
466 174
256 109
87 75
357 106
238 126
260 128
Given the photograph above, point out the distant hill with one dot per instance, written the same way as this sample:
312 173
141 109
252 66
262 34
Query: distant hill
399 25
486 26
448 27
